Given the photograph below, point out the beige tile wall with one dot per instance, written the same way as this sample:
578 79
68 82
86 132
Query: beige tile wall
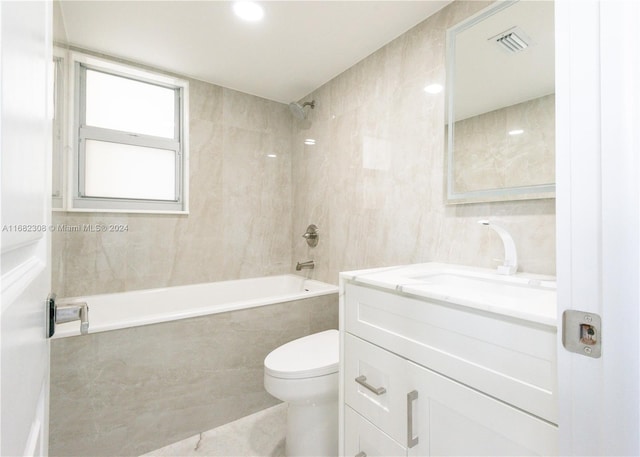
239 224
374 182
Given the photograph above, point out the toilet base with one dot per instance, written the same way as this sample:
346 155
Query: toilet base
312 429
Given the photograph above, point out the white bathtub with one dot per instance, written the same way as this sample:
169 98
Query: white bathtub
141 307
142 387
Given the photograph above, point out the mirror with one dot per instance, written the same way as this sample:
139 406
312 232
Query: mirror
501 104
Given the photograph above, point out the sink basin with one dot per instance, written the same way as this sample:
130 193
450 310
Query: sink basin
467 279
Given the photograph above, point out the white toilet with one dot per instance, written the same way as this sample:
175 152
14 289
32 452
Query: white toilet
304 373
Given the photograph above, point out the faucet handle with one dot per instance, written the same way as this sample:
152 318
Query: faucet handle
311 235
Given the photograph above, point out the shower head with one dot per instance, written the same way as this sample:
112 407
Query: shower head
298 110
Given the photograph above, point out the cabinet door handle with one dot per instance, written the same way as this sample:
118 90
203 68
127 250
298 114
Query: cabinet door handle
361 454
362 380
411 441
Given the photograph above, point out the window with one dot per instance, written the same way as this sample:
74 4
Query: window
130 139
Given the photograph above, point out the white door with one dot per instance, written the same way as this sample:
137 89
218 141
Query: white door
598 208
25 133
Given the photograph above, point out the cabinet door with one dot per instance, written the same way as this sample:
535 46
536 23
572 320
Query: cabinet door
452 419
363 439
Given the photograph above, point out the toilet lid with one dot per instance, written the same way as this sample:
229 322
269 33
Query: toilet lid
307 357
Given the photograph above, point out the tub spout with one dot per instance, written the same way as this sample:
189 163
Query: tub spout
309 264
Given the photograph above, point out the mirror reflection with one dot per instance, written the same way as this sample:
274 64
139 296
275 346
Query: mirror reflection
501 104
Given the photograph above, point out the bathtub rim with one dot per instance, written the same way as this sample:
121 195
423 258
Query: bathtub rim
71 329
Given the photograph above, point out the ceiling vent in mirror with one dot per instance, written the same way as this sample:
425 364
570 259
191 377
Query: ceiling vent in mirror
512 40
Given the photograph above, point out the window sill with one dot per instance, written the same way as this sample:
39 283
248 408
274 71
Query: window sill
120 211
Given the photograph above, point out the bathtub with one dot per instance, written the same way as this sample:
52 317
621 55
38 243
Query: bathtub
150 306
162 365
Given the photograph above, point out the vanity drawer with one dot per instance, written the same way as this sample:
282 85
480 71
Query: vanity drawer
362 438
510 359
375 385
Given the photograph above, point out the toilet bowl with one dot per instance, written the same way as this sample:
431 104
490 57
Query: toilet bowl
304 373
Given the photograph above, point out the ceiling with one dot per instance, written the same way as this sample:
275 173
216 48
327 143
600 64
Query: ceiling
299 46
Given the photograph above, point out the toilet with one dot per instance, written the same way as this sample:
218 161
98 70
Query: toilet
304 373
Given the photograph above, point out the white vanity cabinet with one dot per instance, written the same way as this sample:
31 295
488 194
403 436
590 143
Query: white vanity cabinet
425 377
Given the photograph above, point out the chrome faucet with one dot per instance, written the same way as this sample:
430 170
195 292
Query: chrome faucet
510 265
308 264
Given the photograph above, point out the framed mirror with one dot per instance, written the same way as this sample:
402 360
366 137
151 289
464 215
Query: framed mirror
501 104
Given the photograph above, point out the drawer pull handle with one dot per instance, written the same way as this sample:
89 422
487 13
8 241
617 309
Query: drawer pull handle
362 380
361 454
411 396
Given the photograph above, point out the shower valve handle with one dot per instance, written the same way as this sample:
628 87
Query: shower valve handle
311 235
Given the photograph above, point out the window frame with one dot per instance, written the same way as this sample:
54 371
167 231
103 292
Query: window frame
78 63
59 133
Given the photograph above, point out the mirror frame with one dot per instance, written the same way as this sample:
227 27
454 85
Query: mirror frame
484 195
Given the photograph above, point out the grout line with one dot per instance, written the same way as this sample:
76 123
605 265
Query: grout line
199 442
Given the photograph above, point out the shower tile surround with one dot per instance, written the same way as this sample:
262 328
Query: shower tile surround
239 224
373 183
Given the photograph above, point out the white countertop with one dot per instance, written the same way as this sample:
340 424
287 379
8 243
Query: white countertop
523 296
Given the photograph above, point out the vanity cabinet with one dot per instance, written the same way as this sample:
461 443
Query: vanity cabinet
424 377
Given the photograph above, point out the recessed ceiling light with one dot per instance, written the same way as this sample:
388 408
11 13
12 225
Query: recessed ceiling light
248 11
310 141
516 132
272 156
433 88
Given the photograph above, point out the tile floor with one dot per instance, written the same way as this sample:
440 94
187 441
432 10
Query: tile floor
259 435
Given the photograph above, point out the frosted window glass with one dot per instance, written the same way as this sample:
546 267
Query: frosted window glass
117 103
124 171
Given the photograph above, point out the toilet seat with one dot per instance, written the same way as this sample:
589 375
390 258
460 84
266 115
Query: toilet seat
307 357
